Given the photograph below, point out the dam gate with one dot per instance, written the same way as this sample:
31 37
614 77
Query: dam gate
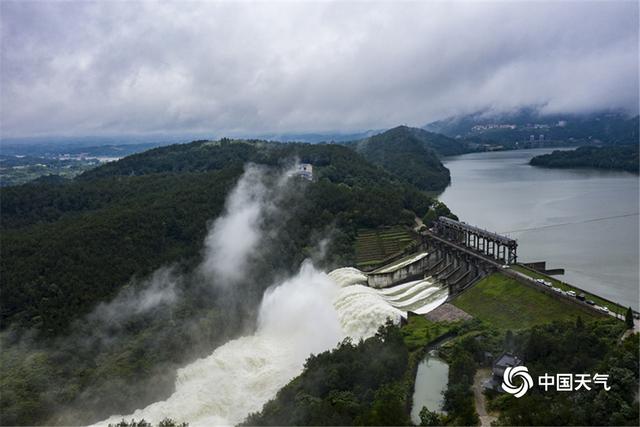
454 253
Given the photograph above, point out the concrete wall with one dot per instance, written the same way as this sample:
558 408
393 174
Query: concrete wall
403 274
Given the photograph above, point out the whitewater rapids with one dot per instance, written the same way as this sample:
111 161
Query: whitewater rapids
307 314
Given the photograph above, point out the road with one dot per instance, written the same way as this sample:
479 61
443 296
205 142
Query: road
513 273
480 401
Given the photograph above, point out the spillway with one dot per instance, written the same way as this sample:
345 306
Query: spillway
309 313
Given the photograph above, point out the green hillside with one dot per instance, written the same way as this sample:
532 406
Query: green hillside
505 303
69 246
411 154
617 157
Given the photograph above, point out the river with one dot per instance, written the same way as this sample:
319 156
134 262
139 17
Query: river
585 221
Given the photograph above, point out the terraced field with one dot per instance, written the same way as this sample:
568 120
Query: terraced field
375 245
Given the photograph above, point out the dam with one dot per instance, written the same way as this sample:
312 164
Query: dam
456 255
306 314
452 253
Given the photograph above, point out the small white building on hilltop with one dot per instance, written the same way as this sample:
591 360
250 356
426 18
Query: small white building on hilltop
305 170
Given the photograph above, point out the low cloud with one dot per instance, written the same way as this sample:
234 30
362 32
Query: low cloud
104 68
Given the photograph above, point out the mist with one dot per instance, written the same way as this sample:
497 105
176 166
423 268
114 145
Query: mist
161 288
235 236
296 318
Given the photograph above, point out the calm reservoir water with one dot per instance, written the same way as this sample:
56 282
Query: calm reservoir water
585 221
431 380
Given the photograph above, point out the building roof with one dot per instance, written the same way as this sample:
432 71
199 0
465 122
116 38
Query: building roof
507 359
503 362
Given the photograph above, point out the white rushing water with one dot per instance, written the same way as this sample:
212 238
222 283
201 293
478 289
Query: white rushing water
309 313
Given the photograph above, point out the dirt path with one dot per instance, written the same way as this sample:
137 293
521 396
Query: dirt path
485 418
635 330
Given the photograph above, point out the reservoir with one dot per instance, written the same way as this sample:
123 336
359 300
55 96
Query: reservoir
582 220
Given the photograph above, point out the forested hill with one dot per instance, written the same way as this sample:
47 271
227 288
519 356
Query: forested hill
606 127
619 157
412 154
68 246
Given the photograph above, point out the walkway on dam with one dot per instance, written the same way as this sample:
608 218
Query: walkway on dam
464 249
521 277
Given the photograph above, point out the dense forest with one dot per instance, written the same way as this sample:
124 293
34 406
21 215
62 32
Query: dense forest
72 246
618 157
347 386
412 154
582 347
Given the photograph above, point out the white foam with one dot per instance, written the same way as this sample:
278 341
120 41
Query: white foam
399 288
348 276
309 313
404 304
419 286
401 263
437 300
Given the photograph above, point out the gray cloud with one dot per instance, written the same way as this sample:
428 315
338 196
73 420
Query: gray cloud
95 68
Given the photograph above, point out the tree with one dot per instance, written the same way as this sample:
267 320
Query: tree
429 418
628 318
388 408
508 340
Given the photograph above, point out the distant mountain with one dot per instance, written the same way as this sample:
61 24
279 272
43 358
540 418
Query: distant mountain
53 145
528 124
412 154
318 137
56 149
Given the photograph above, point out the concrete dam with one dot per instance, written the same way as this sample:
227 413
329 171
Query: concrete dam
452 253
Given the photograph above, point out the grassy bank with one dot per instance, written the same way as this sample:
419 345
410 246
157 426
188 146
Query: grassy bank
567 287
505 303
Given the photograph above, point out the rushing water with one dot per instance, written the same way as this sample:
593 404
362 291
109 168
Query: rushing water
309 313
585 221
431 381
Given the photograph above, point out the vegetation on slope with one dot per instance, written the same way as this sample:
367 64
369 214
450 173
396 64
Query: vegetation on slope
371 383
69 246
351 385
578 347
418 332
411 154
618 157
505 303
372 246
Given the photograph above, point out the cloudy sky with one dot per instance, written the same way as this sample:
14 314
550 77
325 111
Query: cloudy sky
108 68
